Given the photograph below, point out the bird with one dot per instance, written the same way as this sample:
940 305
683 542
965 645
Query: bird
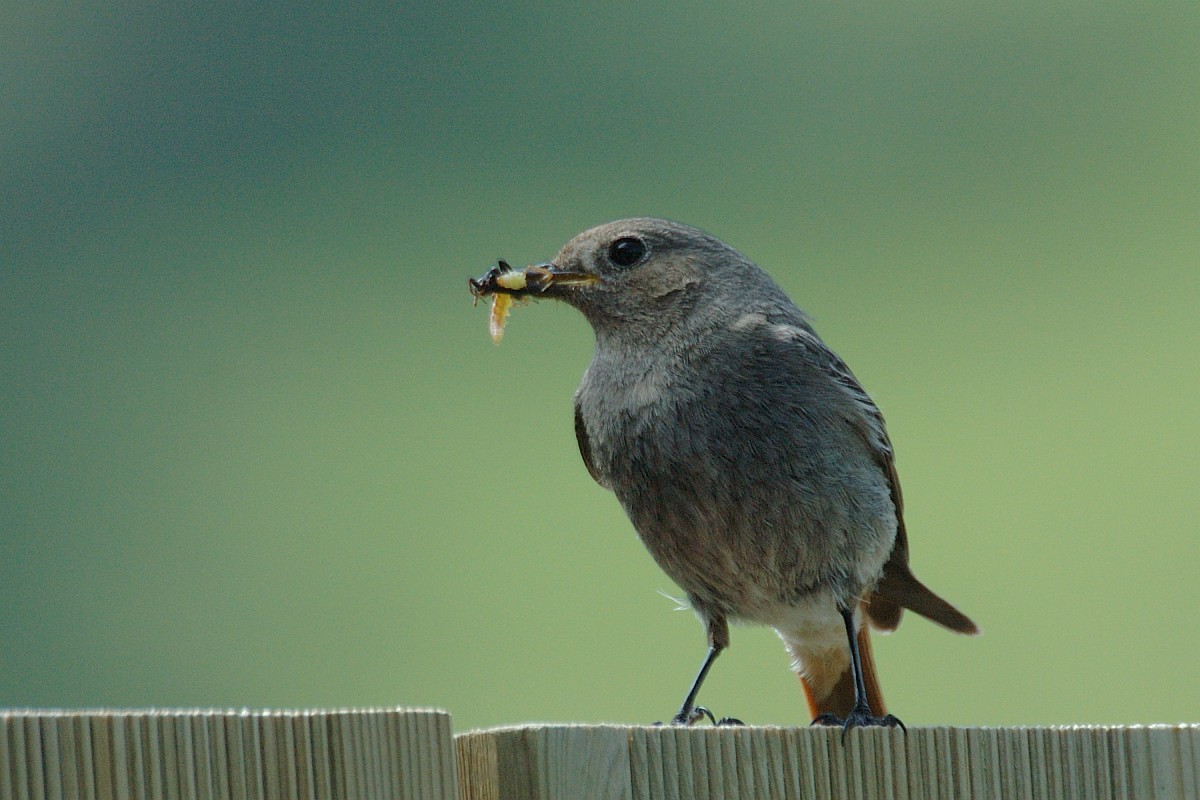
754 467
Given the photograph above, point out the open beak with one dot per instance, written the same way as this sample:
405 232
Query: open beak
532 281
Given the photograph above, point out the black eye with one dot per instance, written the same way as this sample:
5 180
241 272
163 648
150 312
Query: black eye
626 251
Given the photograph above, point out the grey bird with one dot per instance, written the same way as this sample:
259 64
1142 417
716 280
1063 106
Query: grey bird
754 467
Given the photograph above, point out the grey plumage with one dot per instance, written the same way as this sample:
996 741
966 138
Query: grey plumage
752 464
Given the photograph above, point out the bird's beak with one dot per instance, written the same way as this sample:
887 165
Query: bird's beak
541 277
532 281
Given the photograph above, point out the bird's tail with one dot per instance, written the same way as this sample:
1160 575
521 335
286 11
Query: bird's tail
828 679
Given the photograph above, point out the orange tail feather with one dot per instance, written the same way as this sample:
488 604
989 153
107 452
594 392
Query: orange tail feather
839 700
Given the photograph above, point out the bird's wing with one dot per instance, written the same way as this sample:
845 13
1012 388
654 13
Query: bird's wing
898 588
585 446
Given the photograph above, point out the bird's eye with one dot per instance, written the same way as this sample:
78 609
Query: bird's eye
626 251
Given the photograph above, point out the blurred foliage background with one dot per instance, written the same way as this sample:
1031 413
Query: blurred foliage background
256 447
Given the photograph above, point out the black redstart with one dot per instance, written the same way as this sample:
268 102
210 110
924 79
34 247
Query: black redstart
756 470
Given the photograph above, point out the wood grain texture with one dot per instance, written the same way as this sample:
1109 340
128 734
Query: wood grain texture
396 753
545 761
549 762
389 754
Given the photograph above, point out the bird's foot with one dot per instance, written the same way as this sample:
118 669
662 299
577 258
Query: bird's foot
860 717
691 717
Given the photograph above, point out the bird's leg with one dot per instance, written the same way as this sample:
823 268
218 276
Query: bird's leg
689 712
860 716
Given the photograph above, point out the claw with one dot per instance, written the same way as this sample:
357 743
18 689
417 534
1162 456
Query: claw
695 715
700 713
858 718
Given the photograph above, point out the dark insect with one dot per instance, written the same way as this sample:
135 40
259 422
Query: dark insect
488 282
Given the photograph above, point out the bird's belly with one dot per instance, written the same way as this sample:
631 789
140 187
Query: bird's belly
746 515
752 560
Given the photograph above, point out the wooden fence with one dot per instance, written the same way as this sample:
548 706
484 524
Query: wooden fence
388 754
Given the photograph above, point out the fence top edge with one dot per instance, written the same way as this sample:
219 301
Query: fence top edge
271 713
912 729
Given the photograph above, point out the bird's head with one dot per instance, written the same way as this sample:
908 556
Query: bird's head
640 278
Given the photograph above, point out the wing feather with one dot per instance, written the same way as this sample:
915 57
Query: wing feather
585 446
897 588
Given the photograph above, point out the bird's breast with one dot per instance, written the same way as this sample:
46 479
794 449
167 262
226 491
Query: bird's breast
742 497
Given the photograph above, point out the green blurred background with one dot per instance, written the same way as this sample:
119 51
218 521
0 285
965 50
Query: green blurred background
256 447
